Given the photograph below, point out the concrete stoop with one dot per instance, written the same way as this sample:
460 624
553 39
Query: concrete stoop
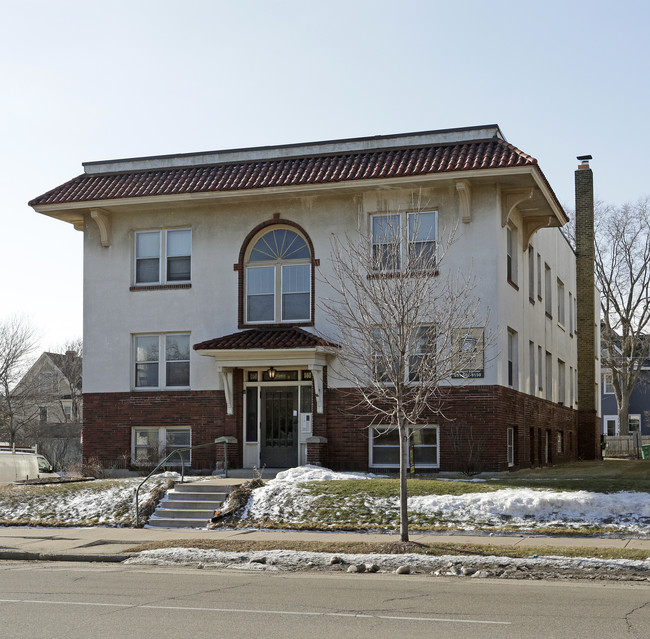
189 505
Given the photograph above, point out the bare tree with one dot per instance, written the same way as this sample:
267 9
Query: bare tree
406 323
623 276
70 365
18 405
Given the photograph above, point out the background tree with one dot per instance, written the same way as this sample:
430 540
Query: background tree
623 276
405 323
70 365
18 406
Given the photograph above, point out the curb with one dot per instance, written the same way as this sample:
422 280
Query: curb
20 555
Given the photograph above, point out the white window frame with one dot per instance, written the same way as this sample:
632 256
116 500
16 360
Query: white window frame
512 270
163 243
548 295
278 292
531 274
561 381
161 361
532 389
561 315
162 446
510 446
548 358
635 417
402 235
512 369
608 383
384 429
610 418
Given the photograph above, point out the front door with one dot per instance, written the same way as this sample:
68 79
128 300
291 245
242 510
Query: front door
279 427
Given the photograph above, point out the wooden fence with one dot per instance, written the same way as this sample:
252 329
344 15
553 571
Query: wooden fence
625 445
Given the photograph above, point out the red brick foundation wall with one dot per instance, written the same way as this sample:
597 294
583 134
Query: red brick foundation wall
110 417
475 417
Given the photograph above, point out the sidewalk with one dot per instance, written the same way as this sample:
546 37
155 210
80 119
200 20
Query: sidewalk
111 544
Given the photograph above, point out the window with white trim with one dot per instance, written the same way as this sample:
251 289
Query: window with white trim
423 443
548 303
610 425
531 274
278 278
531 368
422 344
510 446
163 257
402 241
560 302
608 383
511 254
549 376
162 361
513 360
561 381
151 445
634 423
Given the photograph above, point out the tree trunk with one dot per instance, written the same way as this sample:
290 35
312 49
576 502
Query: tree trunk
403 495
623 414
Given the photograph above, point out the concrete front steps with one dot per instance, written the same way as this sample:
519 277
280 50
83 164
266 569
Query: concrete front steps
189 505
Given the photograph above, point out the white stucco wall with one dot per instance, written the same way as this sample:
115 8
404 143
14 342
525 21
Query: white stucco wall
113 313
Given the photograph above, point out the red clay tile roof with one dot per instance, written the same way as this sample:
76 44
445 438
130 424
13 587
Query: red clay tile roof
289 337
294 171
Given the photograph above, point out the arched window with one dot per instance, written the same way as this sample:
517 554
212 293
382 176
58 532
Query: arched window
278 278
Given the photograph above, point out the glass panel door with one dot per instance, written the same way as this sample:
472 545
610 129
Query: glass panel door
279 427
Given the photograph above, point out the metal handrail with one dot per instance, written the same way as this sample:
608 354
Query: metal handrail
178 451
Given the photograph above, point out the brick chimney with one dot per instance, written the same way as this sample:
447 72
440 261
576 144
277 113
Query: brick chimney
588 423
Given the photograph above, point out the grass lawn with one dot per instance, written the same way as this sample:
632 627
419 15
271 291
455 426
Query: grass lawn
608 476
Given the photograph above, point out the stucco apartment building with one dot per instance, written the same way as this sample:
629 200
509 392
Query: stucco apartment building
202 291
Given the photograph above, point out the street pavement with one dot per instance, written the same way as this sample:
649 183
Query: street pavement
112 544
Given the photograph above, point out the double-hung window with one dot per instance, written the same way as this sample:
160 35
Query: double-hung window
421 347
417 362
404 241
423 441
278 279
162 361
163 257
561 319
151 445
511 254
513 360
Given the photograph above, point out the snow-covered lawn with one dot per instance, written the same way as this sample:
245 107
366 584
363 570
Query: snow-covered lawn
286 502
283 500
107 502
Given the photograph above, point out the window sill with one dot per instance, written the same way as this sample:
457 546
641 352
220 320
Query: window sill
513 284
395 274
277 325
561 326
548 315
158 389
160 287
531 300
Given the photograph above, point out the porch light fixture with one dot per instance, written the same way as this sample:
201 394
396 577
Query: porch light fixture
271 373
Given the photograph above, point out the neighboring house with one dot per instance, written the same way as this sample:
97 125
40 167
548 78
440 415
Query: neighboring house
53 384
202 287
639 411
51 408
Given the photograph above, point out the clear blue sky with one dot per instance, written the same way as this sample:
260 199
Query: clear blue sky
91 80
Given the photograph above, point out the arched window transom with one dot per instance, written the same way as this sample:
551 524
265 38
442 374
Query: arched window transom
278 278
